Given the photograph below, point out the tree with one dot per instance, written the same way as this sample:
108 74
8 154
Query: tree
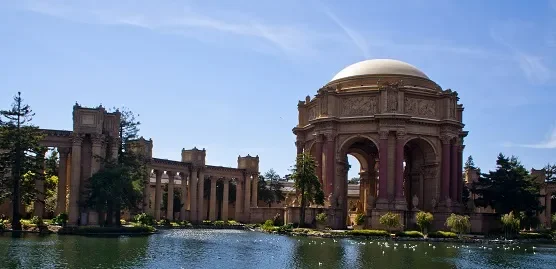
509 188
550 172
458 223
119 184
469 164
424 220
510 223
20 154
390 220
306 183
270 188
354 180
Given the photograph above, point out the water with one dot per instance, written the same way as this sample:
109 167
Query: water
240 249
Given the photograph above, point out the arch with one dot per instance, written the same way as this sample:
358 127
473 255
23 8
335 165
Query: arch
348 142
419 153
424 144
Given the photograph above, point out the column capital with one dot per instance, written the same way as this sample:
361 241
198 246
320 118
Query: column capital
446 138
183 173
383 134
400 134
226 180
77 139
158 172
170 173
319 138
214 179
97 139
63 151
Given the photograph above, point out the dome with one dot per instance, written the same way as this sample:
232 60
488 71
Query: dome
379 67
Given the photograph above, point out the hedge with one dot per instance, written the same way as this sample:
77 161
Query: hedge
368 233
442 234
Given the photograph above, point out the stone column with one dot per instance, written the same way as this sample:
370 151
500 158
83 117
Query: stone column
460 172
73 215
454 172
96 147
39 185
363 189
212 209
401 203
318 157
247 197
225 204
184 195
330 159
170 201
193 215
445 182
158 194
239 199
147 182
201 197
62 180
383 169
255 196
548 209
299 145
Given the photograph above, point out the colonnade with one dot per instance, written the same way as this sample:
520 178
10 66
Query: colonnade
192 195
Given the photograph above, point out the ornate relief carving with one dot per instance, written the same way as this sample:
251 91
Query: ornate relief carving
383 134
359 106
77 139
420 107
451 110
324 105
312 113
393 100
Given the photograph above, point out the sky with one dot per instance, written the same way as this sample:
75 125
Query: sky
227 75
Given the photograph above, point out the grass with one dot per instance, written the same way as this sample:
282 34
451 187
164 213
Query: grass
410 234
442 234
380 233
531 235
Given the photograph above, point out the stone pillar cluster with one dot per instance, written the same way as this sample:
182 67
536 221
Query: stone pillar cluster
451 177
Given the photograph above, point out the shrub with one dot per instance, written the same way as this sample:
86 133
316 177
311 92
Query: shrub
207 222
411 234
218 223
123 222
321 218
424 220
268 223
113 230
61 219
37 221
528 235
554 221
442 234
144 219
511 224
233 222
367 233
2 226
458 223
390 220
359 219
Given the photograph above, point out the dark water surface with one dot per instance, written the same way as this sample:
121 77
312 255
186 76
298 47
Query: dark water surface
239 249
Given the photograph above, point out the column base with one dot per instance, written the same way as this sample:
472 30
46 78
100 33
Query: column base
400 204
382 203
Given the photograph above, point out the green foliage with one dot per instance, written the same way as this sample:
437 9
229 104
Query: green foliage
554 221
306 183
469 164
529 219
550 172
381 233
207 222
36 220
145 219
164 222
89 230
270 188
268 223
233 222
321 218
21 154
424 220
511 224
359 219
458 223
508 188
61 219
177 199
354 180
219 223
442 234
529 235
411 234
390 220
2 226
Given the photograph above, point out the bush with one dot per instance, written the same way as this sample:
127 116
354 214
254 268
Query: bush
113 230
268 223
367 233
442 234
528 235
207 222
411 234
458 223
123 222
511 224
37 221
2 226
390 220
359 219
218 223
424 220
61 219
554 221
164 222
144 219
233 222
321 218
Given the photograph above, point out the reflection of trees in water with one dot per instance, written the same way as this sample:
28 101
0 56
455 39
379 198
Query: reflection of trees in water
308 252
370 255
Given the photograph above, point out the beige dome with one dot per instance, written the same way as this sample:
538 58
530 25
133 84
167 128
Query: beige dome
379 67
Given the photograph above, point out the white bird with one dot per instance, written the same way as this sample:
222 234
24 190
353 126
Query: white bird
383 252
320 263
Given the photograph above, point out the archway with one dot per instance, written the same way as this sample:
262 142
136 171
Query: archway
419 181
359 153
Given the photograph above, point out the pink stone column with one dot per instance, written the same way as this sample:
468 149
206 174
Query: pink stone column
383 167
73 209
247 199
400 142
184 196
445 182
62 180
330 160
299 146
39 205
460 173
170 198
212 203
454 172
318 157
193 195
239 199
158 194
202 214
225 204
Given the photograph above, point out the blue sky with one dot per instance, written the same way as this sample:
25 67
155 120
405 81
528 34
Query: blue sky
227 75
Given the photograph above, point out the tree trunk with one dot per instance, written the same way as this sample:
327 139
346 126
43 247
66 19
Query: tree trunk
302 209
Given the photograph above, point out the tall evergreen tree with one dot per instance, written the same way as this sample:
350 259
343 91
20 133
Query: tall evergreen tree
20 154
306 183
270 188
469 164
550 172
510 188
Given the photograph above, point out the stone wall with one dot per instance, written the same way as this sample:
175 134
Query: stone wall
261 214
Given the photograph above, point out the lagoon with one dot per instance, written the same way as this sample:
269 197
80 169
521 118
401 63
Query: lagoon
194 248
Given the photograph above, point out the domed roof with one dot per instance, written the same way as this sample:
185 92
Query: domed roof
379 67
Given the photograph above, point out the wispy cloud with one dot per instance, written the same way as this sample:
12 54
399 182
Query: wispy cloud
532 66
289 38
548 143
358 40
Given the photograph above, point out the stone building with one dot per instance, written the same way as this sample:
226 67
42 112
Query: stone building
403 128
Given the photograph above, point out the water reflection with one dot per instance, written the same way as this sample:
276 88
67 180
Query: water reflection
238 249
